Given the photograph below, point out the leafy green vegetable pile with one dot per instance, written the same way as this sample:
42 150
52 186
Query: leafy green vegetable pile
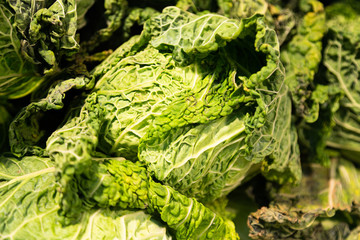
186 119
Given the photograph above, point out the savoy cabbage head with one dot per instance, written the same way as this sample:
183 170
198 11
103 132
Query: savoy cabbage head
202 118
179 119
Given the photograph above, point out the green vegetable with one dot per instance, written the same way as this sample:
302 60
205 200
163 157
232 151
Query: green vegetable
124 184
30 203
301 57
18 76
179 119
47 29
303 212
153 102
342 61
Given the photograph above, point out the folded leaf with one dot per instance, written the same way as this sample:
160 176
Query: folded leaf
121 183
26 131
47 30
179 78
301 58
302 212
18 77
29 205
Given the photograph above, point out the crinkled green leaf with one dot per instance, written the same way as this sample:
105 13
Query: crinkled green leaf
187 34
147 97
137 16
280 17
242 8
25 132
47 30
302 212
342 60
313 137
175 152
18 77
82 7
121 183
301 58
203 161
29 205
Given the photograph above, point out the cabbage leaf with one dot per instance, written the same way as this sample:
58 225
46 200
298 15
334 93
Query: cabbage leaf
18 77
342 61
29 205
312 211
301 58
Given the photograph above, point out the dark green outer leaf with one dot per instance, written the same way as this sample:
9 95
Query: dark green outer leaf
115 11
301 58
18 77
47 29
25 132
298 212
342 60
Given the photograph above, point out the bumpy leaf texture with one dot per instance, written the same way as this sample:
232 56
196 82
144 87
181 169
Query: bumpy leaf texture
124 184
47 30
342 60
279 16
18 76
25 132
301 58
242 9
283 19
166 89
313 211
29 205
35 36
206 156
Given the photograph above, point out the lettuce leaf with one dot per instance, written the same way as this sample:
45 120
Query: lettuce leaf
35 37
